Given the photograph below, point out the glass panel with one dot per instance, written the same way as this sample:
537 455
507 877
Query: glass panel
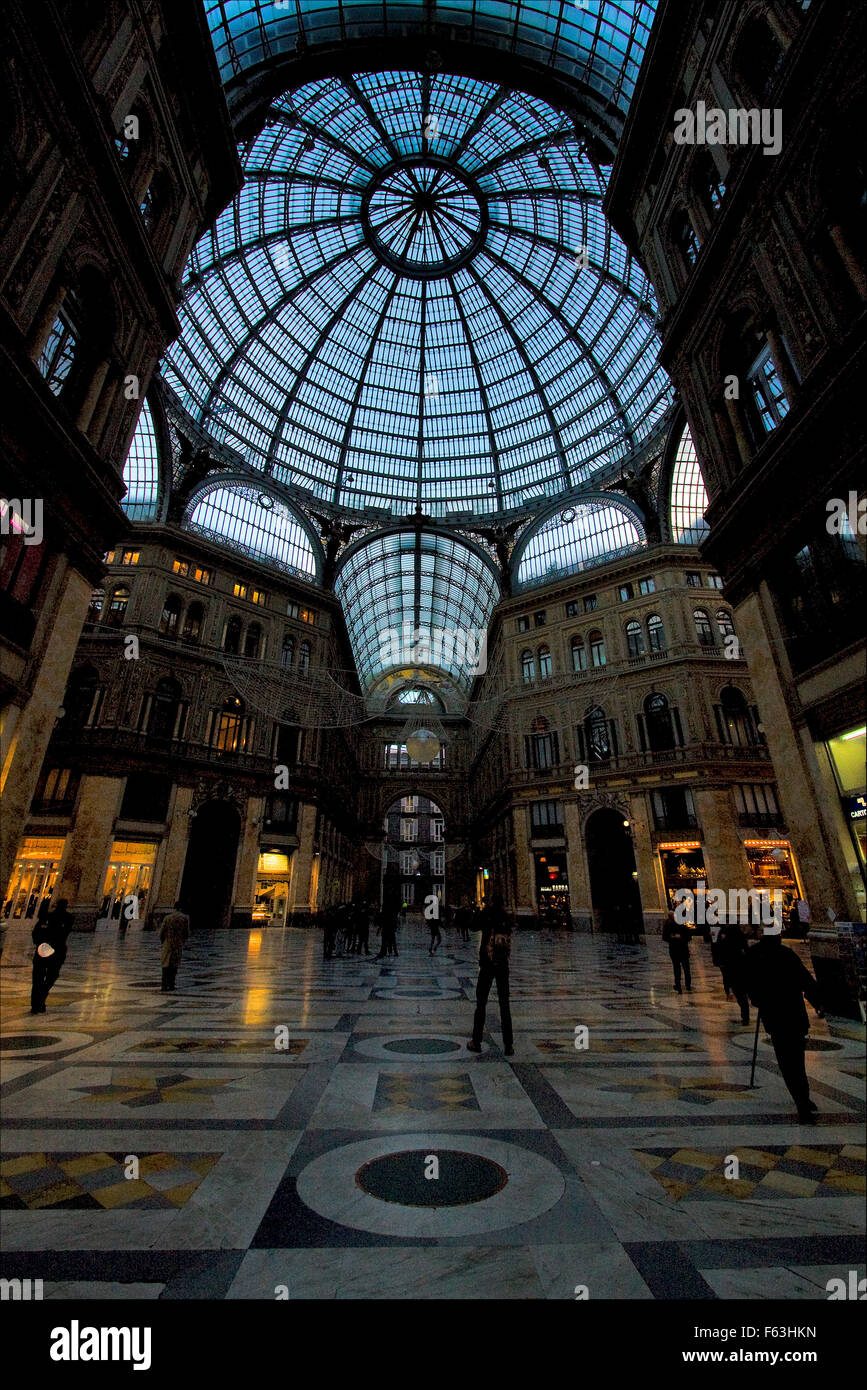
688 495
142 471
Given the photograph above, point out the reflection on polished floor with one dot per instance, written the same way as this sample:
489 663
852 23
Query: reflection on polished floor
284 1112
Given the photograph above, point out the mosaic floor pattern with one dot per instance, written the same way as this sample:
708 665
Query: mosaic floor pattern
319 1126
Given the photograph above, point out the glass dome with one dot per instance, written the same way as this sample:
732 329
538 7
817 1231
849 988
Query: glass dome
415 302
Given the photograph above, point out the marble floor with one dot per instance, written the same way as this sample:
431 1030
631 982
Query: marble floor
287 1127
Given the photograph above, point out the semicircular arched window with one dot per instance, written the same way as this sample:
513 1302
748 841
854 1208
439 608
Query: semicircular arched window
528 667
656 633
703 629
579 654
634 638
253 522
545 667
578 539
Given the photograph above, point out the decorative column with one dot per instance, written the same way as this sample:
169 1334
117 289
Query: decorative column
304 878
653 908
88 847
724 854
244 892
576 864
88 405
170 864
525 906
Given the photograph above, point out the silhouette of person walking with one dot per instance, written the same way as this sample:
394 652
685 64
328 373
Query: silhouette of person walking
49 938
494 952
777 982
676 934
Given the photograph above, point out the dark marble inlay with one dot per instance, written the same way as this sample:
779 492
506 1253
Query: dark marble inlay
421 1046
26 1042
463 1178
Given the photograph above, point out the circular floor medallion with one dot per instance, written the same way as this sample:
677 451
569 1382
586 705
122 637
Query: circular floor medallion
26 1042
407 1178
344 1185
423 1047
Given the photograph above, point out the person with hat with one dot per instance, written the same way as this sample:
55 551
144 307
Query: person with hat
777 982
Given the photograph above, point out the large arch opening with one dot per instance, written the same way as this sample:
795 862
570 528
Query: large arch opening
413 855
209 869
613 875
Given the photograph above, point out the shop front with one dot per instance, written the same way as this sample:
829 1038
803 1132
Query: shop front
273 879
682 865
773 870
33 877
847 755
127 881
552 888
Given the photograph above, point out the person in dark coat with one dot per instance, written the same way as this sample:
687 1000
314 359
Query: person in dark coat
174 931
732 949
494 951
49 938
676 935
777 982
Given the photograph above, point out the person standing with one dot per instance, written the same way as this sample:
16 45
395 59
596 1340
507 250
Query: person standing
676 934
363 929
732 949
49 938
173 934
435 935
494 952
777 981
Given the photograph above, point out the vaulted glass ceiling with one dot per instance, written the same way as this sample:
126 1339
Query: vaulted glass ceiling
411 592
416 302
597 46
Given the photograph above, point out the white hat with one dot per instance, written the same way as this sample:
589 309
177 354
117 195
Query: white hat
775 929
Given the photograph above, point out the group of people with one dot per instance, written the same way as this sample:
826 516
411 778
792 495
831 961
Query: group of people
346 930
766 973
769 975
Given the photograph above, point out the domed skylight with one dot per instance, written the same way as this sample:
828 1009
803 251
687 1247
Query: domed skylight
397 312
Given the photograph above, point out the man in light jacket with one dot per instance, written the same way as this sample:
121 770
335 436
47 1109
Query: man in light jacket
173 933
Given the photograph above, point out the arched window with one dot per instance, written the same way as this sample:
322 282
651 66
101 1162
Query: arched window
597 648
114 614
97 599
228 727
287 655
544 663
724 623
579 654
528 667
61 348
707 183
597 736
304 658
193 620
170 616
252 640
634 638
756 61
80 702
703 629
232 635
661 725
164 709
766 386
684 238
737 723
656 633
156 201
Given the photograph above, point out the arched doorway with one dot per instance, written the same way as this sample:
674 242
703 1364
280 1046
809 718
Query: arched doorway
413 853
209 871
611 861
